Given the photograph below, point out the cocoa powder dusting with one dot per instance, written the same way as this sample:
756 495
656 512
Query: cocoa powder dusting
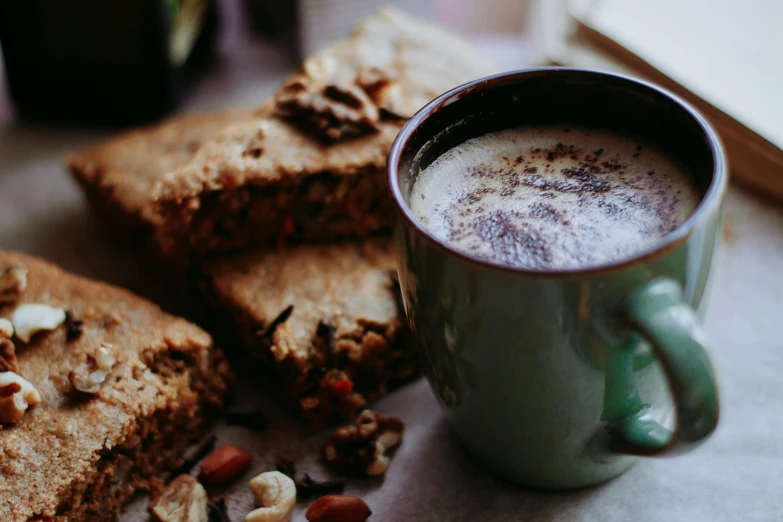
552 197
512 244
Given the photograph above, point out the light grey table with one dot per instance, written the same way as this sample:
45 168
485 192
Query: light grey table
736 476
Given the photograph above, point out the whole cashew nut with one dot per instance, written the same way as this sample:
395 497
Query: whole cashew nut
276 493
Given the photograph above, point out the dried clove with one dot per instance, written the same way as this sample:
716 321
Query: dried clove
285 465
266 334
73 326
309 487
260 352
188 463
217 510
255 421
277 321
326 332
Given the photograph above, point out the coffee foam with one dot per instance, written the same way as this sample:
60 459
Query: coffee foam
553 197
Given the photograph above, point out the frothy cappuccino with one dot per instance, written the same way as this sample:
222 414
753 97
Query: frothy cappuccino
553 197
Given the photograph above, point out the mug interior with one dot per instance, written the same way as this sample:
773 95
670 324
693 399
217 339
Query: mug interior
560 96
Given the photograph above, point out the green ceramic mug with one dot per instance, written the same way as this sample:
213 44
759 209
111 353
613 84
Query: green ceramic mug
561 378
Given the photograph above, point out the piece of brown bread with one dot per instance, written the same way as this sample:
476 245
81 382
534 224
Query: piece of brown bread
120 175
81 456
307 166
325 320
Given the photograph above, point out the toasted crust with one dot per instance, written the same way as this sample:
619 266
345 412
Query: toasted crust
80 457
346 325
286 155
126 169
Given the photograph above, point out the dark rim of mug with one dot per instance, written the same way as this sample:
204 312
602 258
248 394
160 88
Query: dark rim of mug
709 200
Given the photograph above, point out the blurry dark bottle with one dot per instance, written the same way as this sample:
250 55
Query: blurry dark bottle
276 21
106 61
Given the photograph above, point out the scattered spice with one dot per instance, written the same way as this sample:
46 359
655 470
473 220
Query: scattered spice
188 463
282 317
285 465
217 510
7 356
255 421
260 352
326 332
308 487
13 281
73 326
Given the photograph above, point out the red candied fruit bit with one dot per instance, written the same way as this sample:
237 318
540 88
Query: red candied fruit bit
342 386
288 226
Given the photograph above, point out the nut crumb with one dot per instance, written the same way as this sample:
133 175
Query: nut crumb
362 449
13 281
29 319
7 356
89 376
16 395
310 487
195 455
184 500
7 349
6 328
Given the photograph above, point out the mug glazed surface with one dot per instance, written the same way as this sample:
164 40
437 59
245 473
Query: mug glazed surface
558 379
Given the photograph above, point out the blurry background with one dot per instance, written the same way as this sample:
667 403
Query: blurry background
129 61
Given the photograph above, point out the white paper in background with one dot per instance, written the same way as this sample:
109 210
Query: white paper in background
322 22
727 52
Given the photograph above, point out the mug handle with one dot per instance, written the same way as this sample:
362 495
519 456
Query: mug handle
659 313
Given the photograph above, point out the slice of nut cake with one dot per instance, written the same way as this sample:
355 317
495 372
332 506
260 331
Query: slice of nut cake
99 392
325 320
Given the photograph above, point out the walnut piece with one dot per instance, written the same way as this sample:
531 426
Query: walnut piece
184 500
7 349
13 281
276 493
29 319
6 328
16 395
89 376
336 102
362 449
